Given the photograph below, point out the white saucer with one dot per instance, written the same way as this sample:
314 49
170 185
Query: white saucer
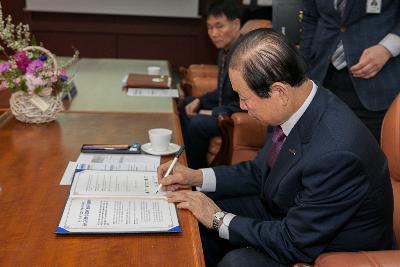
172 148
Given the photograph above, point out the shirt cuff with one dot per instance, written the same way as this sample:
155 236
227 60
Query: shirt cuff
223 230
209 181
392 43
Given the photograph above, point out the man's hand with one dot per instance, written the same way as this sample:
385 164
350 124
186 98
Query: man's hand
180 177
202 207
192 108
371 62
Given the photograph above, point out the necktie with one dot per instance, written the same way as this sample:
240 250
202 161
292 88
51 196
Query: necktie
338 59
221 77
277 141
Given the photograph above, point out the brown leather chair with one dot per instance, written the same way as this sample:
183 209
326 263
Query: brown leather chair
390 143
241 138
254 24
198 79
198 86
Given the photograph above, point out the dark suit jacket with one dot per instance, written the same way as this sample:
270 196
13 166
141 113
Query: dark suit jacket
328 191
323 27
230 99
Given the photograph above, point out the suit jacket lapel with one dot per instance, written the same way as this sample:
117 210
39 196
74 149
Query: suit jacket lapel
332 10
347 9
292 148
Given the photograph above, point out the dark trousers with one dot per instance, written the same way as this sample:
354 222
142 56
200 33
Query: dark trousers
197 132
339 82
219 252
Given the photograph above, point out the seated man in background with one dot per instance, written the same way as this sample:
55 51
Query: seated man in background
319 184
199 115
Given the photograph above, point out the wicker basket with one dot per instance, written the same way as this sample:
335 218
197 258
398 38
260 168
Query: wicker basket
26 111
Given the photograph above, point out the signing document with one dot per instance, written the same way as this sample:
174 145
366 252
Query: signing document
110 162
117 202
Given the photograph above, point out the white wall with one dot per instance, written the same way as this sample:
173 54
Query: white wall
158 8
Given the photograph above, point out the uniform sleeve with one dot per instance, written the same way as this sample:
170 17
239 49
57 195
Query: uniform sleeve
309 24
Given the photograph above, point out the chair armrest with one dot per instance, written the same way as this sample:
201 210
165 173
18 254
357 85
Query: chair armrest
242 136
202 85
224 155
387 258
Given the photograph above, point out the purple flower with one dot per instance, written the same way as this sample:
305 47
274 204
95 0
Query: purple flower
5 66
22 60
63 75
34 66
43 57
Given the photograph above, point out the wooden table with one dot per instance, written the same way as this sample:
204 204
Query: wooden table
32 161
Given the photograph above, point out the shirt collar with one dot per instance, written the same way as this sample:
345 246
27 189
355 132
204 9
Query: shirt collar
288 125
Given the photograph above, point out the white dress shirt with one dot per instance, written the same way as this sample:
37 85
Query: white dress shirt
392 43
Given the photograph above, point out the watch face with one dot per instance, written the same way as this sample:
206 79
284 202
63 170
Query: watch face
219 214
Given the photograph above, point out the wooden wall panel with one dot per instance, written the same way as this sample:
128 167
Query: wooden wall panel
155 47
89 44
182 41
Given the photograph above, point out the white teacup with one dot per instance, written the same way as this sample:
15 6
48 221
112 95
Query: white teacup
160 139
153 70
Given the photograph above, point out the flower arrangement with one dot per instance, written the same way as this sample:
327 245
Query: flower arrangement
31 69
30 72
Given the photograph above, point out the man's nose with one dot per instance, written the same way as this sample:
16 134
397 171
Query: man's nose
213 32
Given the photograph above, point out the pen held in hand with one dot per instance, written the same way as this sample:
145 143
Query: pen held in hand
171 167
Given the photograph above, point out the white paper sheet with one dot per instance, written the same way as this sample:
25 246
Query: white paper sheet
110 162
115 215
115 183
120 159
68 173
153 92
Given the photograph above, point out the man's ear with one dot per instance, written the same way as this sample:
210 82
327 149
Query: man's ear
280 91
237 24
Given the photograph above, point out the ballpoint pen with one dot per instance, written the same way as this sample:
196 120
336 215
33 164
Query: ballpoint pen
172 165
104 147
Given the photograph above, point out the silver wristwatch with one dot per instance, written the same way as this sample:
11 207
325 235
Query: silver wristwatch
216 219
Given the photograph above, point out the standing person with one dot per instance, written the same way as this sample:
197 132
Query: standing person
319 184
198 116
352 47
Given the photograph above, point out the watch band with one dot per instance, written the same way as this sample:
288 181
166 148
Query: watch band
217 218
